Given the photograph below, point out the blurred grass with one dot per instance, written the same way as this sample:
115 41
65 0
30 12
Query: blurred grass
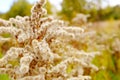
1 55
5 35
4 77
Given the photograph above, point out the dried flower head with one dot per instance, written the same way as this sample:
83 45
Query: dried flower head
42 48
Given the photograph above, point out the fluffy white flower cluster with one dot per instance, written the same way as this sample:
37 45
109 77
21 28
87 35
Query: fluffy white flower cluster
116 45
42 50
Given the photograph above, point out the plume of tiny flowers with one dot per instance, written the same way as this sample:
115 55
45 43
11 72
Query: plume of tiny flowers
41 48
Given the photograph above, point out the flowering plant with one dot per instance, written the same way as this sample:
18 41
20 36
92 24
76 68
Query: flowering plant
42 50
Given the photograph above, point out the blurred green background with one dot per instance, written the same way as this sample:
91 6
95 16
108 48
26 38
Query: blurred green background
69 9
